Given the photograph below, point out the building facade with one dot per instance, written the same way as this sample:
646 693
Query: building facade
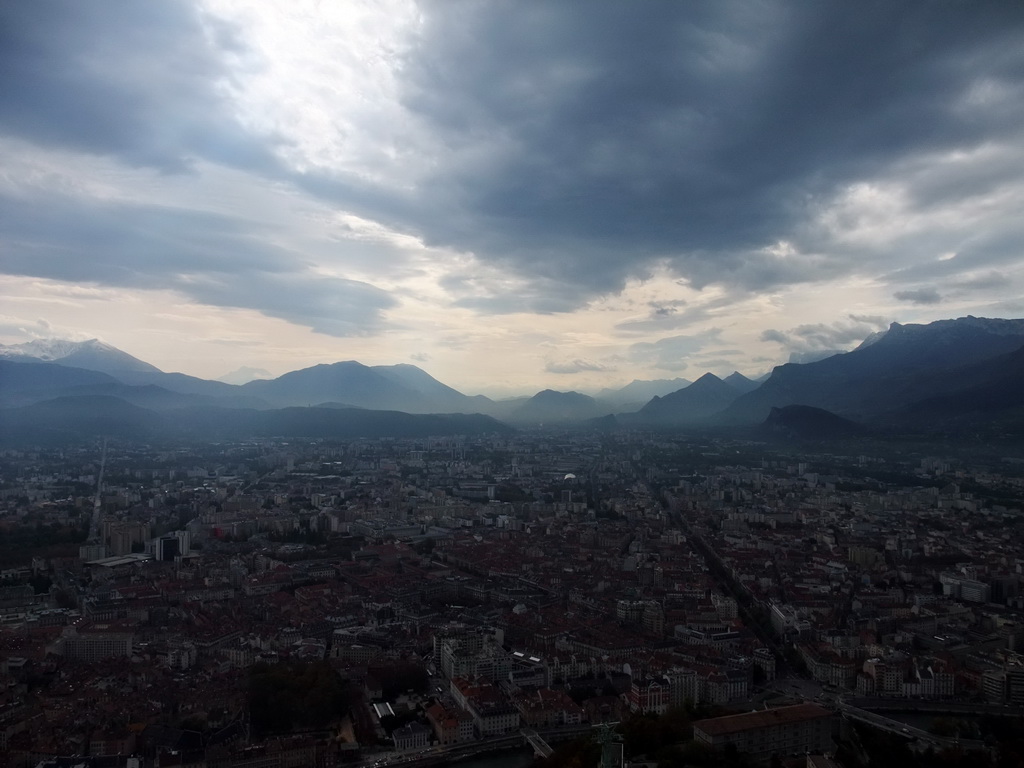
783 731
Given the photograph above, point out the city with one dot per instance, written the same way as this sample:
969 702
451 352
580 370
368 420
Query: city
447 596
511 384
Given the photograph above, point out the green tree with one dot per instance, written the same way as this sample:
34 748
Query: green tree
295 695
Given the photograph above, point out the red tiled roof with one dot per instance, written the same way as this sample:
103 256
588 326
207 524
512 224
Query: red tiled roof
765 718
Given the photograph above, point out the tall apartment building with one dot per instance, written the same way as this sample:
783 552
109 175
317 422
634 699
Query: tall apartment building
1005 685
93 644
171 545
964 588
123 538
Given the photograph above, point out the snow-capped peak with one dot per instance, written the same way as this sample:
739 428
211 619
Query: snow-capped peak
93 354
49 350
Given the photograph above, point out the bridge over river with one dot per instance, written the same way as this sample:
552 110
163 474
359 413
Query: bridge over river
932 706
921 737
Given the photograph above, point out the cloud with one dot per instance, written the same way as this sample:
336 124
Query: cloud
700 137
245 374
773 335
329 305
672 353
140 81
679 314
574 366
987 281
718 362
814 341
919 296
560 153
210 258
666 308
491 292
877 321
24 329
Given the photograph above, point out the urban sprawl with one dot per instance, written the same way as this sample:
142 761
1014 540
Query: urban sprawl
444 597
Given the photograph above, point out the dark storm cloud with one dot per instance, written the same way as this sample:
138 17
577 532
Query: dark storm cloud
139 81
919 296
206 257
498 294
574 146
330 305
773 335
585 145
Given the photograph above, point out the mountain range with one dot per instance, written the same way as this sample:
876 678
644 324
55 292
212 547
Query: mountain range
960 374
696 403
634 395
890 374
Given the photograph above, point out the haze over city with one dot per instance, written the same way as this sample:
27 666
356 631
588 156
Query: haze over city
508 195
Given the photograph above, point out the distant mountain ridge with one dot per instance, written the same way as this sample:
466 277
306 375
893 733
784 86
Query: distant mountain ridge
391 387
949 374
396 387
92 355
986 395
65 419
694 404
906 364
741 383
23 383
802 422
549 406
638 392
244 375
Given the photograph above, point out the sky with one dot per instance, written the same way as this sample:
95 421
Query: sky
511 194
